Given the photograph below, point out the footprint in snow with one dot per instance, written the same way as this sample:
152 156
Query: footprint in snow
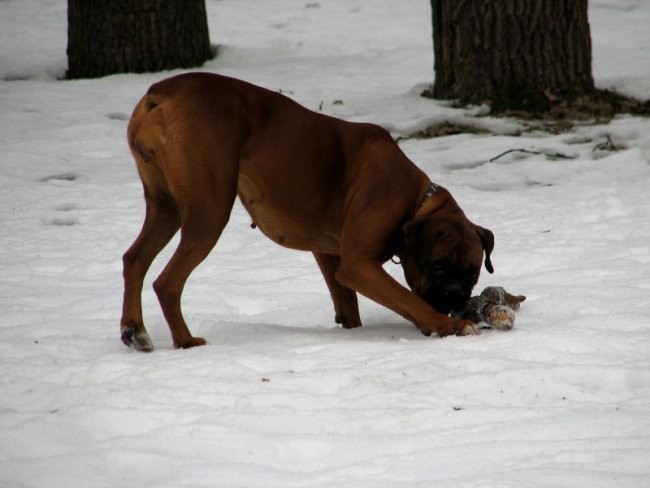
69 176
118 116
63 221
62 208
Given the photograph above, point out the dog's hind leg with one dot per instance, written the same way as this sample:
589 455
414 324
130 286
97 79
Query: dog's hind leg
346 306
204 212
160 224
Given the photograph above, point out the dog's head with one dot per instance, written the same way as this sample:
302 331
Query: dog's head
443 258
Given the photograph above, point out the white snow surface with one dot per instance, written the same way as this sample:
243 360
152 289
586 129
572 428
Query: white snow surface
282 397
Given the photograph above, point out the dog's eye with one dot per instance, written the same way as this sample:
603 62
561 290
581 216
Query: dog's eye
437 263
438 267
440 234
437 273
471 279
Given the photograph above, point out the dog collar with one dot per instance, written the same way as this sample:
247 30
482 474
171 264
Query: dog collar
431 190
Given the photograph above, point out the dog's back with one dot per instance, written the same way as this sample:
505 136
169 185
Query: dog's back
219 129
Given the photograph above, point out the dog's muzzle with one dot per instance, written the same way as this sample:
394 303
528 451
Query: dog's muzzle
450 297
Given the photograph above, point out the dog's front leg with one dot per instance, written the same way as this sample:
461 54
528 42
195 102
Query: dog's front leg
346 307
369 278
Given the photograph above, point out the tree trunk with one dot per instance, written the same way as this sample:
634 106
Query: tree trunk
120 36
513 54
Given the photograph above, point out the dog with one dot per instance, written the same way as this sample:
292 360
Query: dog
343 191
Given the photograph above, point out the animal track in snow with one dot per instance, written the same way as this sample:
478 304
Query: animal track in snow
63 221
118 116
62 178
65 207
69 176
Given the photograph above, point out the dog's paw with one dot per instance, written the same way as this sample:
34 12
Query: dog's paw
345 323
458 327
470 328
140 341
191 342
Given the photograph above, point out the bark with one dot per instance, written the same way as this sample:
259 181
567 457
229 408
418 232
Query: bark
518 54
120 36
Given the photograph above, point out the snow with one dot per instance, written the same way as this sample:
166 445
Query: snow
281 397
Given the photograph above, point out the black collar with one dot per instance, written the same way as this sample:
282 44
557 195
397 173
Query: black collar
431 190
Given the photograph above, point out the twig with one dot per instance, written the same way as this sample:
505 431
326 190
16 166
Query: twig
511 151
549 155
605 146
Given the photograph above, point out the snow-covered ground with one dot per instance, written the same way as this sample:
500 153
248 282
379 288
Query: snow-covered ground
282 397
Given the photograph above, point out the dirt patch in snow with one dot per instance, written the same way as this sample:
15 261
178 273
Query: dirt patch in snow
597 107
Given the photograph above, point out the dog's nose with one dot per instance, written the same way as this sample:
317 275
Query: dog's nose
455 296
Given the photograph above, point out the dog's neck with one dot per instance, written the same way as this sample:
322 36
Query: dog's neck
432 199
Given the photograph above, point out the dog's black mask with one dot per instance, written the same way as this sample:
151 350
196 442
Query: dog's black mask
449 286
442 260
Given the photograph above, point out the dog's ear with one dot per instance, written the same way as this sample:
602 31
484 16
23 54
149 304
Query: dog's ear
487 239
413 234
412 230
412 260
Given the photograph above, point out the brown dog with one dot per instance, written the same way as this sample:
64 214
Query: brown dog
342 190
